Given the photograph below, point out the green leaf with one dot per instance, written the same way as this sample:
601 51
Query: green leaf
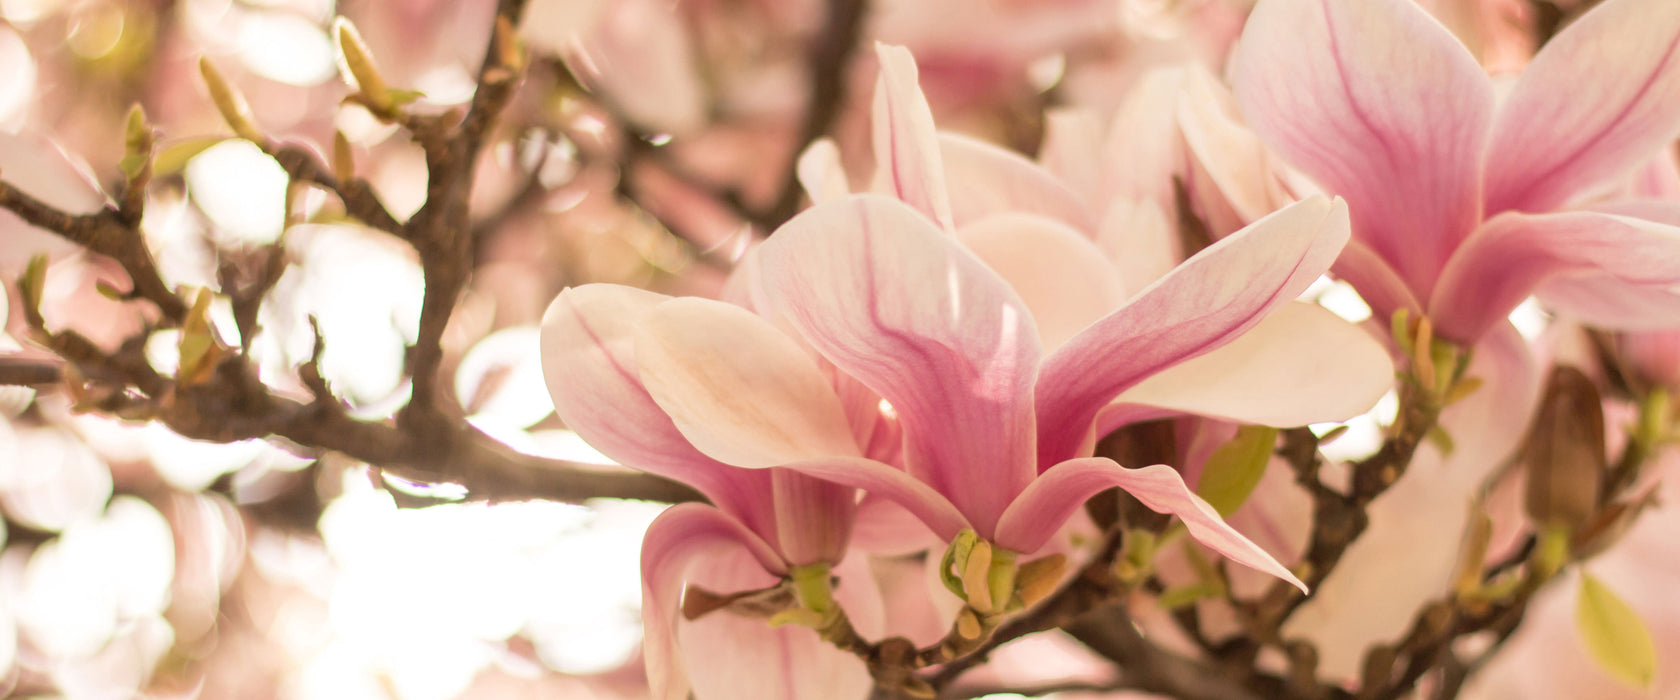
1233 471
1614 635
173 158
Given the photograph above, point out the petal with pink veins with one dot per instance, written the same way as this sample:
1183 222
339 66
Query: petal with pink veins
740 390
1230 156
1064 488
1513 253
907 158
1379 103
1060 274
1302 364
891 483
1377 283
682 536
898 304
1598 99
589 363
1208 301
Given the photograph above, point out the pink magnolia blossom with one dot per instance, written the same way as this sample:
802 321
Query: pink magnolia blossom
1455 198
780 519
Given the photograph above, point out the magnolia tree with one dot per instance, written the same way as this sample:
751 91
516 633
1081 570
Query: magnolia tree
905 349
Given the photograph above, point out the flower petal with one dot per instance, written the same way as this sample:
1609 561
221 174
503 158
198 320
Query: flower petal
1060 274
1061 490
1378 284
589 365
1212 298
1513 253
1226 152
885 481
894 302
1071 153
740 390
821 172
680 536
984 180
1144 150
1607 302
907 158
1139 241
1380 104
813 517
1598 100
1300 365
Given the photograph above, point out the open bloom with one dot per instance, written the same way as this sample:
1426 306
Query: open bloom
768 525
1378 103
995 436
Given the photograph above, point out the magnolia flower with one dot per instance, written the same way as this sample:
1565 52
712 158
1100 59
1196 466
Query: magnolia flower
1448 191
995 435
768 525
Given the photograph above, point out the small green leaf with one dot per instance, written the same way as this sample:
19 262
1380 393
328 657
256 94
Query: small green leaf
1180 596
1614 635
399 97
173 158
1236 467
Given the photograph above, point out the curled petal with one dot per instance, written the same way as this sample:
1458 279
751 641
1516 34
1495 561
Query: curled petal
1378 284
894 302
1513 253
1062 489
589 363
821 172
741 391
884 481
907 158
1380 104
1300 365
678 538
1208 301
1596 101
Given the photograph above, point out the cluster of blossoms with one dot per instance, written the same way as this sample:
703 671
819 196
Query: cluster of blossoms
922 368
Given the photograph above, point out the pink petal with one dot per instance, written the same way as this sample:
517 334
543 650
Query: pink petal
1071 152
1144 149
1300 365
1379 104
1208 301
984 180
1060 275
1140 242
813 517
1226 152
894 302
907 159
1378 284
740 390
821 172
885 481
1607 302
1596 101
1513 253
589 365
888 529
1063 489
681 536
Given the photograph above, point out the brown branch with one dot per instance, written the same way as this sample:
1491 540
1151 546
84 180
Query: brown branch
20 372
359 199
102 232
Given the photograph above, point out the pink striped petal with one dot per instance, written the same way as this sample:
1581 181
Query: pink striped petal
1513 253
1208 301
985 180
1598 100
1378 284
740 390
680 537
1300 365
888 529
907 158
885 481
1380 104
589 364
894 302
1063 489
1607 302
813 517
1060 274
